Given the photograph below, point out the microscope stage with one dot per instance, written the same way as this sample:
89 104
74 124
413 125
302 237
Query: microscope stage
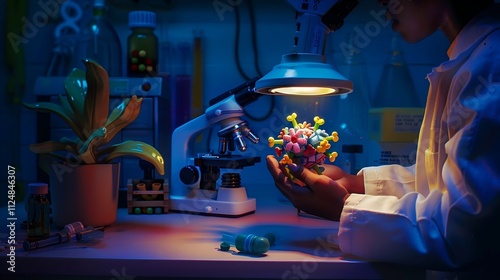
233 162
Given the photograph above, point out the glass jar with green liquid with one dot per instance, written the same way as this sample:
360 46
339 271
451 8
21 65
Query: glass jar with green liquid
142 45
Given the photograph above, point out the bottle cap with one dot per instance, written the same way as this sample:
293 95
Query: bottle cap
38 188
142 19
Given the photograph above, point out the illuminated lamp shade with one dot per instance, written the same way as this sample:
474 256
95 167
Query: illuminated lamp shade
303 74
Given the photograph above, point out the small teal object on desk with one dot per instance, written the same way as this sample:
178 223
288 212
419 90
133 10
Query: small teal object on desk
249 243
225 246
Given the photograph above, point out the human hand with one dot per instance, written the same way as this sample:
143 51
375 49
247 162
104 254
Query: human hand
320 195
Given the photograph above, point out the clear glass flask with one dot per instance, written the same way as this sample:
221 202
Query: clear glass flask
99 41
395 87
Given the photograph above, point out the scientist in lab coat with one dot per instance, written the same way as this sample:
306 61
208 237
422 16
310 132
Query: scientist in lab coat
443 212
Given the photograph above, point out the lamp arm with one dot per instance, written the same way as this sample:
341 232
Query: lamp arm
310 36
315 21
334 17
240 91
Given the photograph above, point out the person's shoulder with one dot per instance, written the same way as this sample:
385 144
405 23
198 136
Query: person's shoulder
490 44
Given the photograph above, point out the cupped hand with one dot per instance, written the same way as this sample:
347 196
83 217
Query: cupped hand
320 195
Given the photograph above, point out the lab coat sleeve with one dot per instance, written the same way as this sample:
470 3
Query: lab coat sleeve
391 179
447 228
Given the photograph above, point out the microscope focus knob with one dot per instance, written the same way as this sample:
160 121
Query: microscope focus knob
189 174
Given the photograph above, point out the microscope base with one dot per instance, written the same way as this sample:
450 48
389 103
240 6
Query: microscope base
206 205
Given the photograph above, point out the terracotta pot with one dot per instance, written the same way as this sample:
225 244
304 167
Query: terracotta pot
85 193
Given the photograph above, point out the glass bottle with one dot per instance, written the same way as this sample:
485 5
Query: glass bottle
100 42
142 45
396 87
352 109
38 207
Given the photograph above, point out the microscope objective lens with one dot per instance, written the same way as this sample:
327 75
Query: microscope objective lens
222 145
238 140
252 137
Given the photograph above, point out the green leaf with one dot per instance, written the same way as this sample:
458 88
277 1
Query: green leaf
122 116
96 106
58 110
69 111
88 148
76 88
51 147
118 111
135 148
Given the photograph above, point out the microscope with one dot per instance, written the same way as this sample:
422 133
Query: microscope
194 177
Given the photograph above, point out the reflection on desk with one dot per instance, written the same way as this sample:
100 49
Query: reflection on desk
177 245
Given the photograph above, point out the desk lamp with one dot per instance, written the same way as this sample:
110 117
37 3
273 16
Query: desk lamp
304 71
193 176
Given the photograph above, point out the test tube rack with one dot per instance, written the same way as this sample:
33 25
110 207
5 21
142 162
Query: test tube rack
150 196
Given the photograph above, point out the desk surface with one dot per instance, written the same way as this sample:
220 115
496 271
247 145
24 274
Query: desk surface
185 245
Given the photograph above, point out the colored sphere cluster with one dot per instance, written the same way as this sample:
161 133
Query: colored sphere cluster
140 62
304 144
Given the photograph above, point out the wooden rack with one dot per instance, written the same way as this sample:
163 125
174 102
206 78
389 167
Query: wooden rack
146 199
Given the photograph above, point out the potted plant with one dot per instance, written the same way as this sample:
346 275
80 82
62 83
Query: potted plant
84 179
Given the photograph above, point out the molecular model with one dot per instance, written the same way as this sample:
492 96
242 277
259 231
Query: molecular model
303 144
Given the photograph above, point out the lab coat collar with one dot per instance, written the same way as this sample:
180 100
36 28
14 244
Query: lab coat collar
475 31
469 37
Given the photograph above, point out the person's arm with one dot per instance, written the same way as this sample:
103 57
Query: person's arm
451 226
324 195
456 223
393 180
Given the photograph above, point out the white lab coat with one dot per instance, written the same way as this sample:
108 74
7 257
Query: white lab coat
442 212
